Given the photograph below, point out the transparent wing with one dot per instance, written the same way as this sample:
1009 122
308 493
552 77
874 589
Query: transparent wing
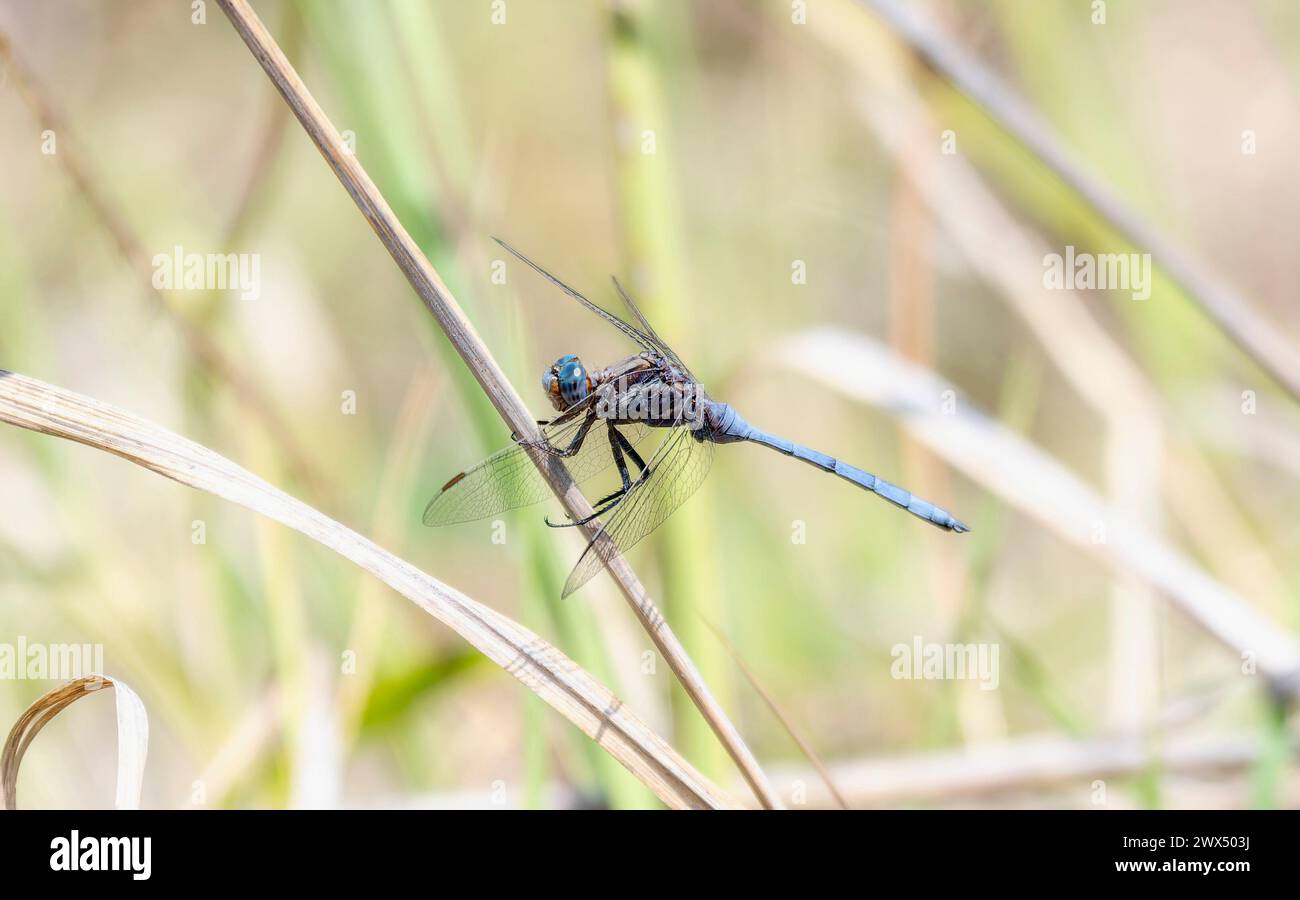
643 339
676 471
508 479
659 343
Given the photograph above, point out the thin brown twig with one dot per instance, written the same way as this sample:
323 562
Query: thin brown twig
1231 312
209 354
804 747
268 144
434 293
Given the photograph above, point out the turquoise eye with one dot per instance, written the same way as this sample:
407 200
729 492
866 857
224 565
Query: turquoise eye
573 379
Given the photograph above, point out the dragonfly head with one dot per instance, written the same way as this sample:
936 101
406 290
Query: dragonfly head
567 382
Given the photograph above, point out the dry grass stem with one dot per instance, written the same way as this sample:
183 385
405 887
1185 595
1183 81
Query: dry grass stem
1010 769
770 702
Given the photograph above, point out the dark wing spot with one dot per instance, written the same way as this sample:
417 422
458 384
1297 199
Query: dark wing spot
453 481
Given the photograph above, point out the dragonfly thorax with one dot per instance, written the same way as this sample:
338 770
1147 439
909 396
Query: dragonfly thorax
567 382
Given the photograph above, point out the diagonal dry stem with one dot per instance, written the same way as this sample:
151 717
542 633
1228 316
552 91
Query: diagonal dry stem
430 288
546 671
786 724
1266 344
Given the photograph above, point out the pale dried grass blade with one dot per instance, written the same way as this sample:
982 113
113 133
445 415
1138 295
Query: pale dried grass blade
1014 770
132 736
32 404
132 745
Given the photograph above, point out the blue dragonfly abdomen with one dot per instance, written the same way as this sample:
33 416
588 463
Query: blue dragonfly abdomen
725 425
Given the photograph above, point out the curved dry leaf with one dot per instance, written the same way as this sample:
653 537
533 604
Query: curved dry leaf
584 701
132 736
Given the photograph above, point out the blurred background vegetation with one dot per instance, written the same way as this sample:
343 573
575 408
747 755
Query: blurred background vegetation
696 150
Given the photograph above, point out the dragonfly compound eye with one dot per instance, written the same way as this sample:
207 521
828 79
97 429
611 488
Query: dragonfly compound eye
572 376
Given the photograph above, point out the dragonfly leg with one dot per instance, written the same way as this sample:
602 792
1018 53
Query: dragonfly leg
630 451
568 415
541 423
618 445
574 446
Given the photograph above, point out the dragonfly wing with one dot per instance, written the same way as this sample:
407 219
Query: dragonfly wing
508 479
638 337
677 470
505 480
659 343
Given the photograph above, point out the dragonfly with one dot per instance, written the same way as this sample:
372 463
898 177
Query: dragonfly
651 391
